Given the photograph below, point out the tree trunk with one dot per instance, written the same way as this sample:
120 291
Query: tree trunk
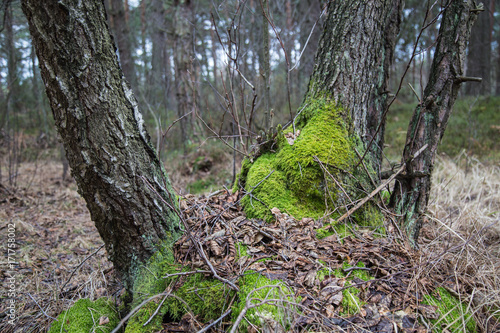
13 94
113 162
353 63
317 167
158 38
122 37
183 58
427 126
266 65
479 57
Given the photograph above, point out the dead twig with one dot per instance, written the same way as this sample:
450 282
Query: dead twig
44 313
78 267
381 187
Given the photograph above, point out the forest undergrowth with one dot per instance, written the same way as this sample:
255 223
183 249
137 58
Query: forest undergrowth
61 259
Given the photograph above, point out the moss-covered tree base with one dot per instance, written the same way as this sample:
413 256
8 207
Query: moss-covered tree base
310 169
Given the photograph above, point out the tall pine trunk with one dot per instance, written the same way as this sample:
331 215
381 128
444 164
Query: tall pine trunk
183 61
123 41
479 57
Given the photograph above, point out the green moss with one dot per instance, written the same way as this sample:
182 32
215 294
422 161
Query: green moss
150 282
280 311
454 315
351 302
242 175
241 251
84 315
290 178
136 323
203 296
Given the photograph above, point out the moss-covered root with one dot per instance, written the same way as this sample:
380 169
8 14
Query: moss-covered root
204 297
86 316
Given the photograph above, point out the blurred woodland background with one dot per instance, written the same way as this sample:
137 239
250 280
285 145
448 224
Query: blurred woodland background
210 76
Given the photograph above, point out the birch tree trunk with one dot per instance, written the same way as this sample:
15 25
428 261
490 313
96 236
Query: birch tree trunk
112 160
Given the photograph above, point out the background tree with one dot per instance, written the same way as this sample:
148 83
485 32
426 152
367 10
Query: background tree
184 73
121 32
479 56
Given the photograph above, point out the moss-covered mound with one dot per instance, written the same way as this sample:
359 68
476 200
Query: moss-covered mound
300 172
85 316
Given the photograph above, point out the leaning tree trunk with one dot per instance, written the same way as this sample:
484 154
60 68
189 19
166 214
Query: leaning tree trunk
428 123
116 169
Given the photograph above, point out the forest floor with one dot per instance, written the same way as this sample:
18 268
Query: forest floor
59 256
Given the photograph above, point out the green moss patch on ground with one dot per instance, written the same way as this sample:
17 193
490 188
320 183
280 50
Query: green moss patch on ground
454 316
351 303
84 316
277 299
203 296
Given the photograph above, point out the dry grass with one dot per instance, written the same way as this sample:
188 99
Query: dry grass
463 232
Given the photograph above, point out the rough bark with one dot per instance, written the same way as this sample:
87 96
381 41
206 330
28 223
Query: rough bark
353 61
479 57
116 169
428 123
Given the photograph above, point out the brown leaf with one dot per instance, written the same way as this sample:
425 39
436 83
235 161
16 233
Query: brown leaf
103 320
428 311
310 278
